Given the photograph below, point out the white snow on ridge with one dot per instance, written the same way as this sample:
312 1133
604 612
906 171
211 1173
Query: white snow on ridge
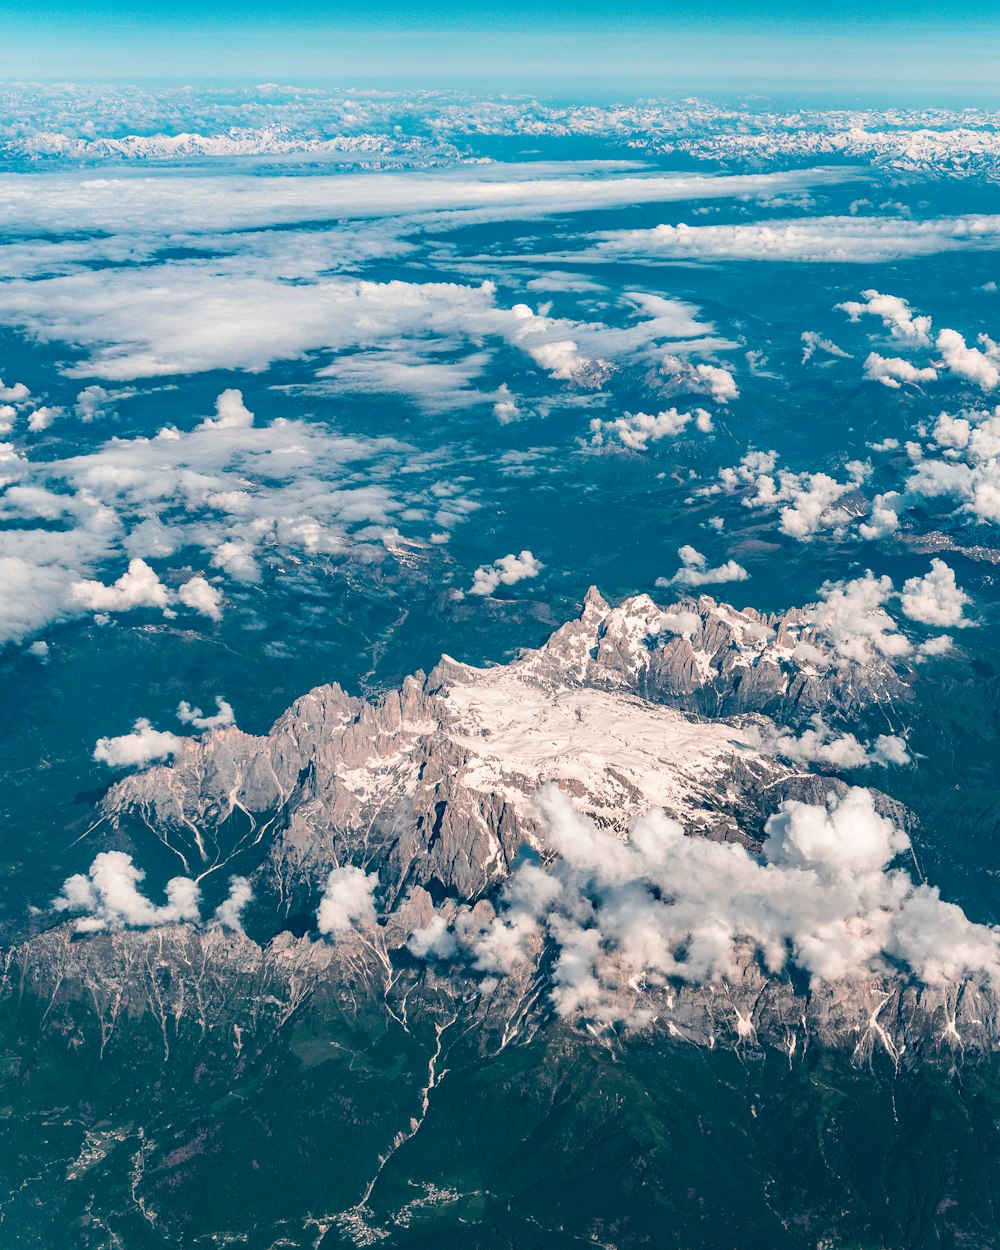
612 751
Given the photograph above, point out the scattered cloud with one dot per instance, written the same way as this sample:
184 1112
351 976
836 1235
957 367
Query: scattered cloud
348 901
935 599
144 745
196 718
895 314
813 343
695 571
893 371
820 744
824 897
636 430
981 366
109 898
507 571
807 503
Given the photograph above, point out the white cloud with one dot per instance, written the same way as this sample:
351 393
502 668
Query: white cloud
935 598
195 717
853 618
16 394
142 746
507 571
892 371
637 430
936 646
201 596
138 587
42 418
966 470
506 408
895 314
824 897
819 743
138 206
229 913
952 432
807 503
238 494
348 901
109 898
971 363
179 317
231 413
93 403
827 240
695 571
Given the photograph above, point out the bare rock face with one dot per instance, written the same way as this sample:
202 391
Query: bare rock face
709 658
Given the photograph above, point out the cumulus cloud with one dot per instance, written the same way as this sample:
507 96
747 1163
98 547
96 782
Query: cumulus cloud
229 913
960 467
42 418
824 896
195 717
895 314
506 409
201 596
807 503
820 744
980 365
893 371
695 571
507 571
853 618
16 394
109 898
138 587
231 413
935 599
93 403
348 901
142 746
636 430
952 432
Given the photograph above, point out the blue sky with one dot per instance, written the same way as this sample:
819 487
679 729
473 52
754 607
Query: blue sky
933 52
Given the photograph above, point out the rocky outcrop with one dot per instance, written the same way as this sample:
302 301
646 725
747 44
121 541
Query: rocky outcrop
433 784
432 790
